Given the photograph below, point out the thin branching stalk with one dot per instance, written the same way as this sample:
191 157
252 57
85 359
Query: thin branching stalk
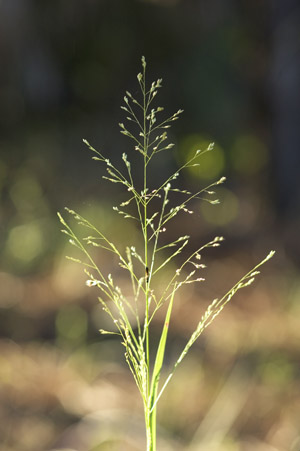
132 316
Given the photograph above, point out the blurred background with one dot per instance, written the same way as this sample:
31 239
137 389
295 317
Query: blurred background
234 67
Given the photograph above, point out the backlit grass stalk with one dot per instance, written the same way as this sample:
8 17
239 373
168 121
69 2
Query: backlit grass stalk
132 318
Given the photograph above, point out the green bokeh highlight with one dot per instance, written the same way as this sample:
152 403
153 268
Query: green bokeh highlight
25 243
211 164
277 370
223 213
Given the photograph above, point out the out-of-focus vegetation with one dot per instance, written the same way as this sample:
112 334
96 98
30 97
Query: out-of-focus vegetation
64 69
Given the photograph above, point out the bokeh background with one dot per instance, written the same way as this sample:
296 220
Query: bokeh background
234 67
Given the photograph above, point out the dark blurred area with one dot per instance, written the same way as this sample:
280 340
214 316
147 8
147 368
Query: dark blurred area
234 67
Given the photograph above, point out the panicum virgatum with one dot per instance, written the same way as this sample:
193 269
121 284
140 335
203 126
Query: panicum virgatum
132 316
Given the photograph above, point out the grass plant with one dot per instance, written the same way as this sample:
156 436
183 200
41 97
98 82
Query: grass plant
132 316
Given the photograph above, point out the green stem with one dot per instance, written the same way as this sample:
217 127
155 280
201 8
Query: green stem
150 416
146 258
150 420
